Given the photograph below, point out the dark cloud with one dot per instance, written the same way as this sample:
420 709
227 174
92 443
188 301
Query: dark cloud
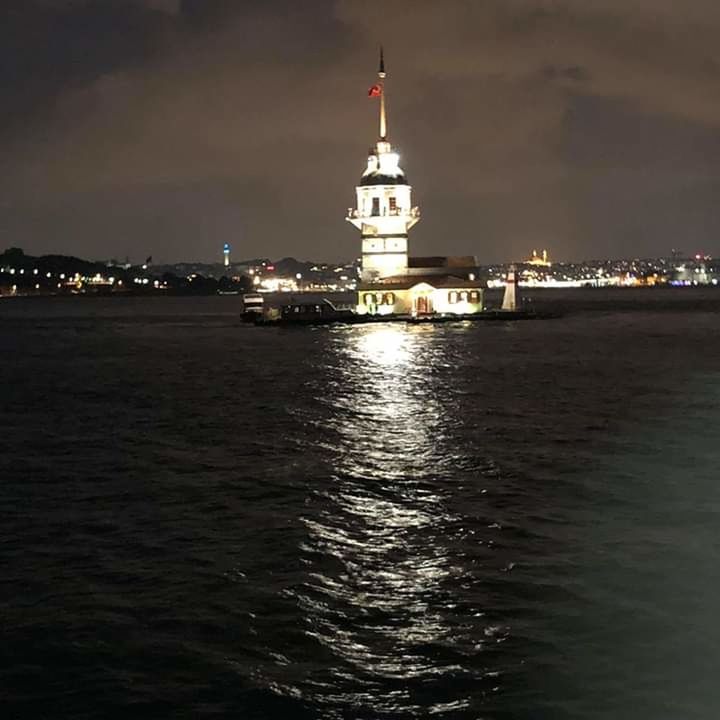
168 127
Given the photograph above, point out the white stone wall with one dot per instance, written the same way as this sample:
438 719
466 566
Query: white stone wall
405 301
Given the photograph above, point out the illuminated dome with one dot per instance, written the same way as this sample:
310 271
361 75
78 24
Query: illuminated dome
383 167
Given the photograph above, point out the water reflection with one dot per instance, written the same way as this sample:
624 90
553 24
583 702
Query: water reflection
378 600
387 346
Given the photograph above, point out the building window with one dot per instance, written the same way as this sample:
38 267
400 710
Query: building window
369 299
452 297
388 299
463 296
475 296
375 206
393 205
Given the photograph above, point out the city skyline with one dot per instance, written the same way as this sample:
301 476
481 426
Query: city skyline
141 127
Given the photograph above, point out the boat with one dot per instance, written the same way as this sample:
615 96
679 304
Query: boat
308 313
313 313
253 306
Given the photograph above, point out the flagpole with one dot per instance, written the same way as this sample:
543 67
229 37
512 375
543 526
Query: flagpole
381 76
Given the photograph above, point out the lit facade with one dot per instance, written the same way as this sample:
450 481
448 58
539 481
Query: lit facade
384 214
421 298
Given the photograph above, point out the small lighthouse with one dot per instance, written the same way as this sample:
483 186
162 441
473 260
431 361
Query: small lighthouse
226 255
510 298
384 213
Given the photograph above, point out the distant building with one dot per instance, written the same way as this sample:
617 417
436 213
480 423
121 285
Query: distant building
535 259
698 271
392 281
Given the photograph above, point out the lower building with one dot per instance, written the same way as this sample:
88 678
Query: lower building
445 285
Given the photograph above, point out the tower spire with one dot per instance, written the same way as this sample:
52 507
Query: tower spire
381 77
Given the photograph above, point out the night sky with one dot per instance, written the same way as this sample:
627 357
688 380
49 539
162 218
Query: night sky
168 127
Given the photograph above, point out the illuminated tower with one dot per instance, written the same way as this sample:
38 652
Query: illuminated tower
384 212
226 255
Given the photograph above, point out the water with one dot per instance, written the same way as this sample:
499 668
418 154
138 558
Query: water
206 519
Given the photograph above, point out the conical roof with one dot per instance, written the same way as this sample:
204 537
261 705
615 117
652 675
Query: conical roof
383 167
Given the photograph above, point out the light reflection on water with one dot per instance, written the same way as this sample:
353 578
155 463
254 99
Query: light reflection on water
377 600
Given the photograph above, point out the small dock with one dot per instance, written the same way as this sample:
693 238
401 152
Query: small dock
433 319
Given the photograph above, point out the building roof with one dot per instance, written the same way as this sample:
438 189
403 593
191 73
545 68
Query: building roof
383 167
448 261
378 178
405 282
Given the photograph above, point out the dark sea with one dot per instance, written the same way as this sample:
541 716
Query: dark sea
205 519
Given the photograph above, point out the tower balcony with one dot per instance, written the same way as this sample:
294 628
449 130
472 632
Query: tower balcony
413 213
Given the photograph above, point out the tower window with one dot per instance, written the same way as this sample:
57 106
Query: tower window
393 205
376 206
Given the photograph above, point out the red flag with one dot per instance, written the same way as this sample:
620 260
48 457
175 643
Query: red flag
375 91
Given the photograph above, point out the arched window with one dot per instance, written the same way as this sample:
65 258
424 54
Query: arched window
369 299
463 296
388 299
452 297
